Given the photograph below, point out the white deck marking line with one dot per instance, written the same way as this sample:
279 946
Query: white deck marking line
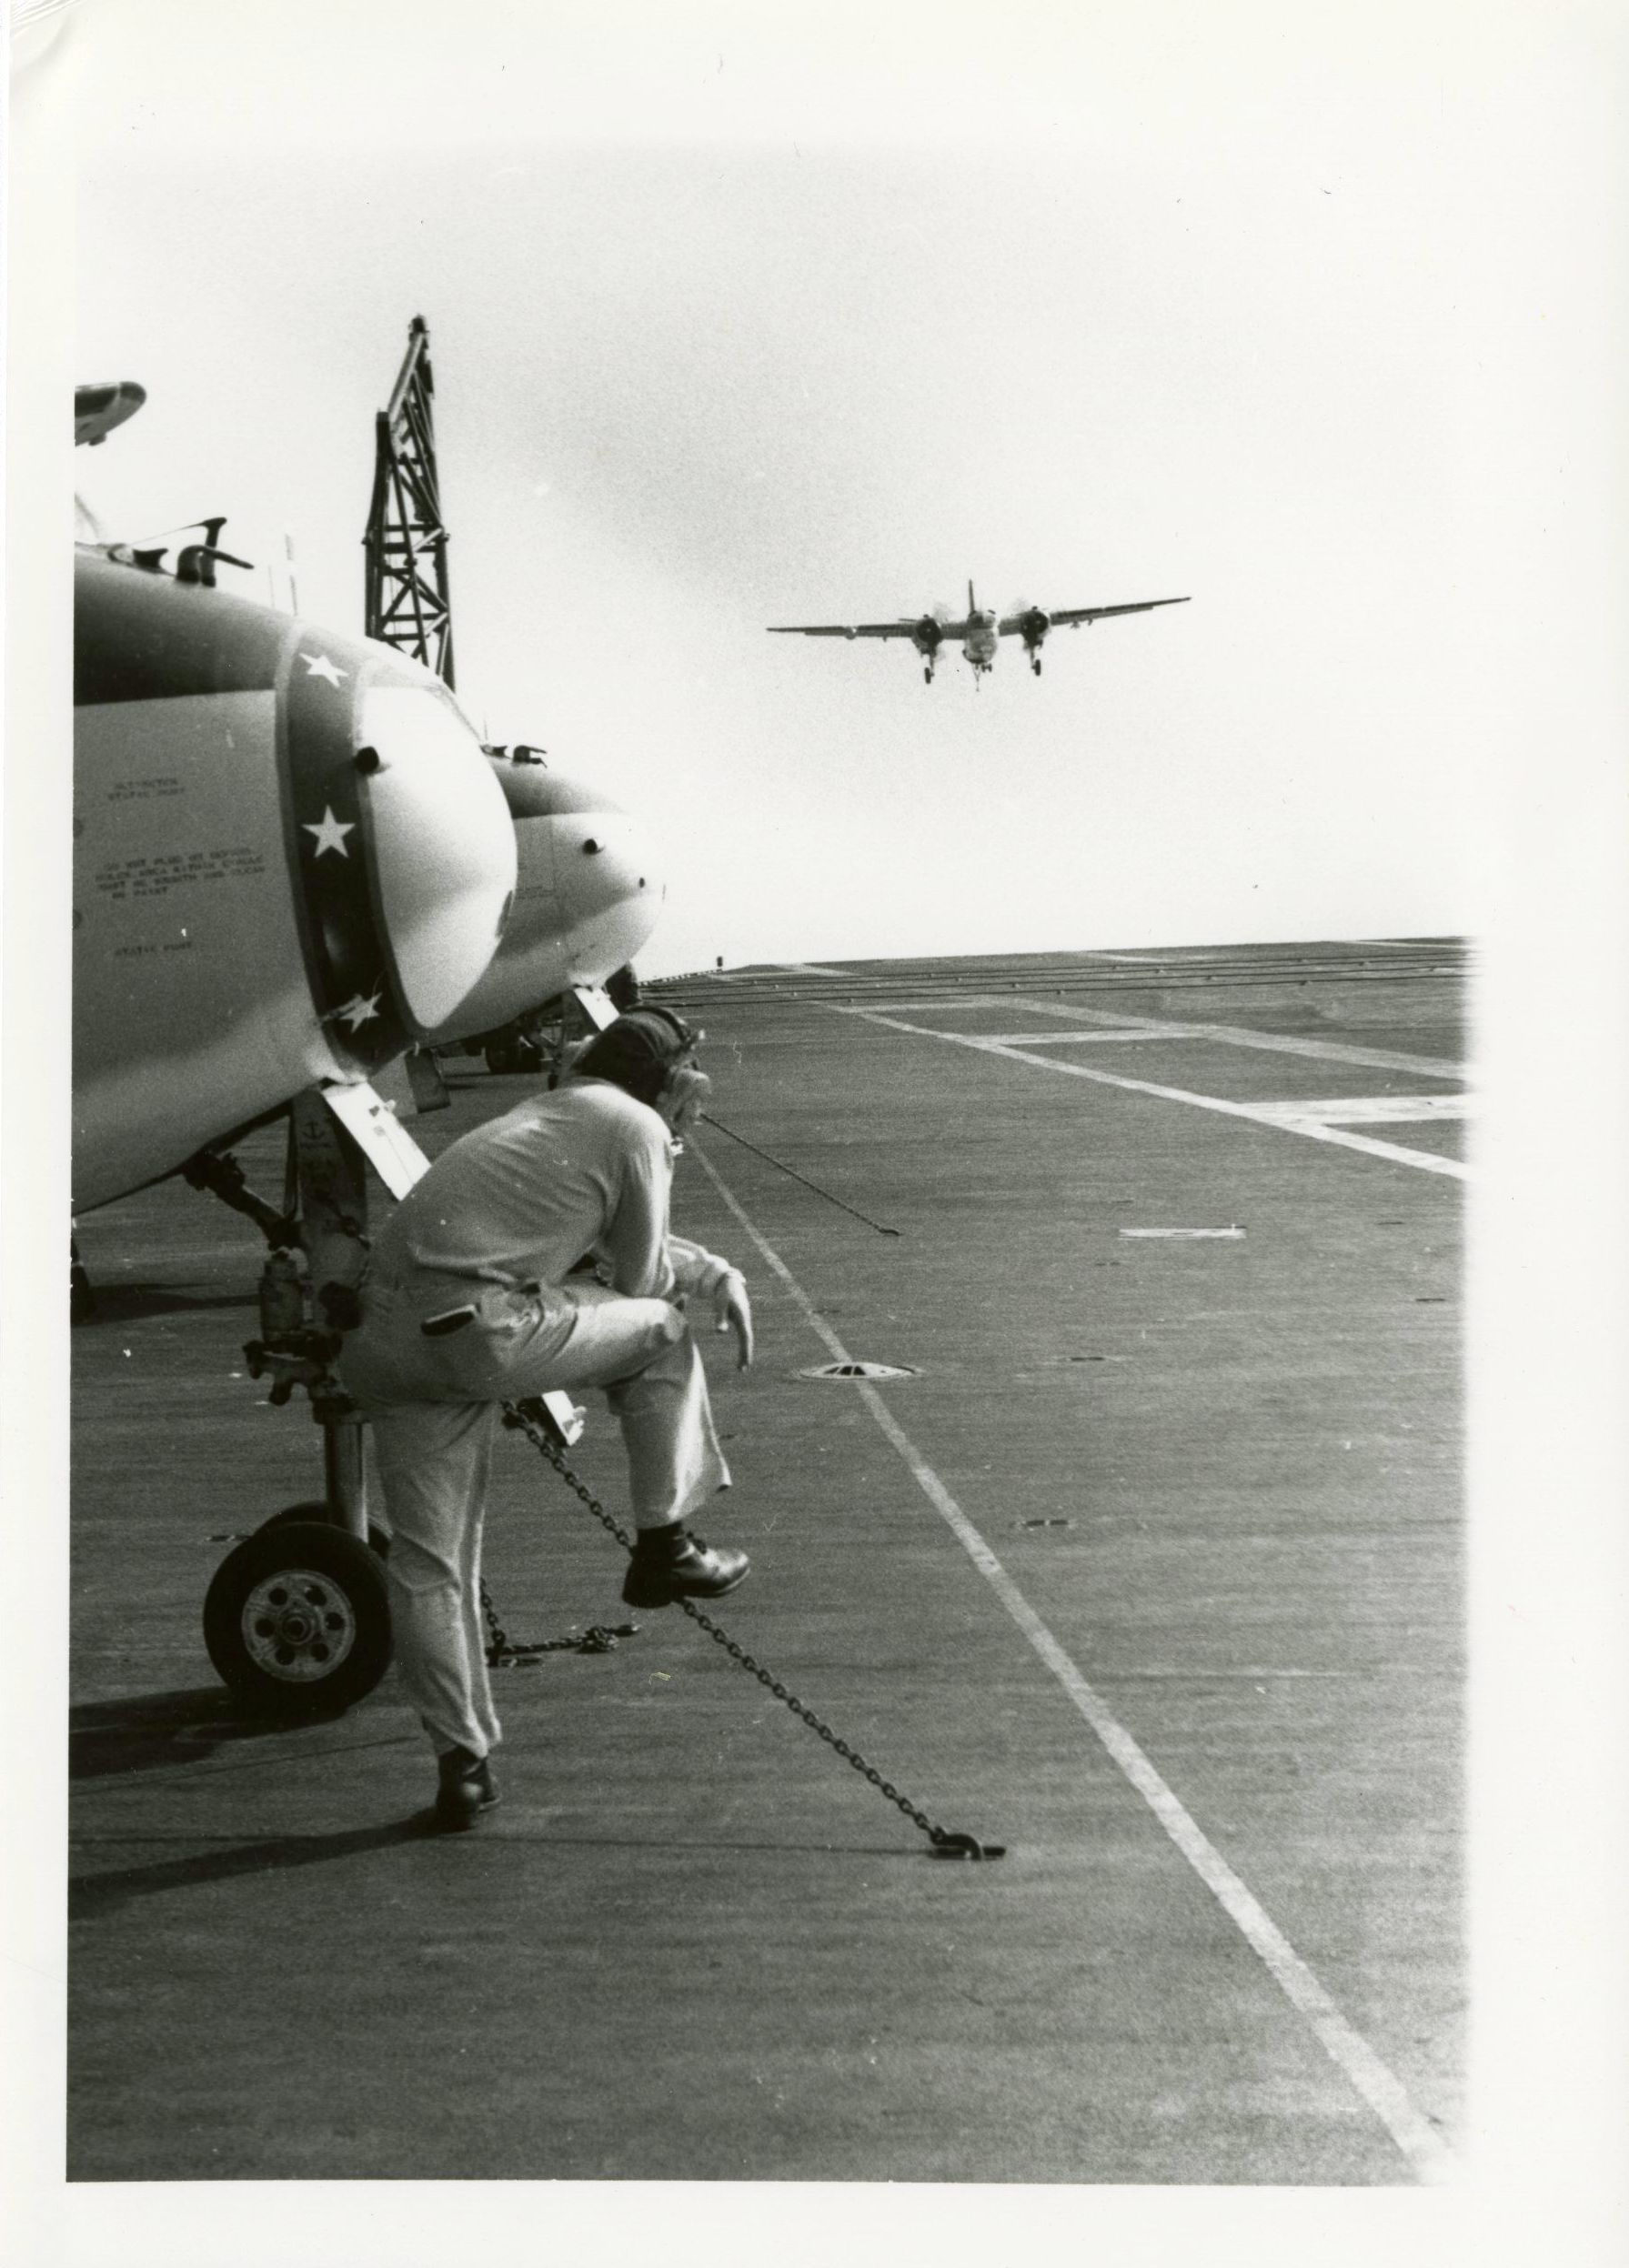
1196 1234
939 999
1315 1130
1356 1110
1271 1042
1379 2086
1227 1035
1068 1038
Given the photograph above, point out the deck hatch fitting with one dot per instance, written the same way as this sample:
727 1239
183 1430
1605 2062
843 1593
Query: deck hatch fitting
847 1374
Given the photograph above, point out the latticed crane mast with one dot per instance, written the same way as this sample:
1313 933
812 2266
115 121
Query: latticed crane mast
407 602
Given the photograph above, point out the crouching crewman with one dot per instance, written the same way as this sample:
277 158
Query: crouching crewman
470 1301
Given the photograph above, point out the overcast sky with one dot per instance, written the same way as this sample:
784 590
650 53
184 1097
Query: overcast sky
743 315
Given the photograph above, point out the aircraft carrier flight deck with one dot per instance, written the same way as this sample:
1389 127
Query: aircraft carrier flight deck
1100 1471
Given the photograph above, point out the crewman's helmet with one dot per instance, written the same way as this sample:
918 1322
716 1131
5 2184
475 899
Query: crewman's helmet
640 1051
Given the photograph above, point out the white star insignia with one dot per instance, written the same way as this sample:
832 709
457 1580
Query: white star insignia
330 832
357 1011
319 666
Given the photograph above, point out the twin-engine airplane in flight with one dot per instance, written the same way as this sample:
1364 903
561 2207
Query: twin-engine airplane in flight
978 632
294 861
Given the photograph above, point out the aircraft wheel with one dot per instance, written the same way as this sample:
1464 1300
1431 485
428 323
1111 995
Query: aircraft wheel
513 1055
379 1539
297 1621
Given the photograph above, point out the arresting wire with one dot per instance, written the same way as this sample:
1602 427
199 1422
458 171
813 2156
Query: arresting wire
707 1119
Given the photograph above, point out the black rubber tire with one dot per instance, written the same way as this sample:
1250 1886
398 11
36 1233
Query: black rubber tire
297 1621
379 1539
513 1055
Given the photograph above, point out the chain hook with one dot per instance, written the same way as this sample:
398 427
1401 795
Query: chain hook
949 1846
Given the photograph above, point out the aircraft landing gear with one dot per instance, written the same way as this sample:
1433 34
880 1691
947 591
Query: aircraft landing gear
512 1054
1035 663
379 1539
295 1621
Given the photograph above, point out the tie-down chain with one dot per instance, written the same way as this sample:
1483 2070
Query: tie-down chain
530 1418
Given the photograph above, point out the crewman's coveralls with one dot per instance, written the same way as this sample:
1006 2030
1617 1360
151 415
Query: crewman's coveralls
497 1224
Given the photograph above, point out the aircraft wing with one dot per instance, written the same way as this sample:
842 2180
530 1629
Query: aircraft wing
1089 614
853 629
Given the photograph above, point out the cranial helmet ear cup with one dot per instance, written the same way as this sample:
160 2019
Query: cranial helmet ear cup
682 1031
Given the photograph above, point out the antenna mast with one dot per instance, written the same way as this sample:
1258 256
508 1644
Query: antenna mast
407 606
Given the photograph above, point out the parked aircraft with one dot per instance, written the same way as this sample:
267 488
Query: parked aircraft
978 632
293 858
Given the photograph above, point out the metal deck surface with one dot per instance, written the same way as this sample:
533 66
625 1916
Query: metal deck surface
1149 1570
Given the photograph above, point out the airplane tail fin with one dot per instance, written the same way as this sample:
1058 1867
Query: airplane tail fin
972 604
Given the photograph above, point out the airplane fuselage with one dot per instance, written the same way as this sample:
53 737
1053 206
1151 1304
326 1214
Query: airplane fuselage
293 860
982 637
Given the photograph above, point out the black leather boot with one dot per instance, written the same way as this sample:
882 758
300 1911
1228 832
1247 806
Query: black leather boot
670 1564
466 1789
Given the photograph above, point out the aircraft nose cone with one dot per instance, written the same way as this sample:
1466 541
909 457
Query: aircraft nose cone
609 891
586 897
442 845
588 871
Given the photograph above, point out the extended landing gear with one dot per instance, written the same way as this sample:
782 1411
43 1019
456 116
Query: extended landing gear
379 1539
297 1621
511 1053
1035 663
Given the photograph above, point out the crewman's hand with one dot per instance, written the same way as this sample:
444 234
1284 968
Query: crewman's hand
733 1312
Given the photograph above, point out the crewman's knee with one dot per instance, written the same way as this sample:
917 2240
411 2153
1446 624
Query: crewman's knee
661 1329
669 1344
664 1365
